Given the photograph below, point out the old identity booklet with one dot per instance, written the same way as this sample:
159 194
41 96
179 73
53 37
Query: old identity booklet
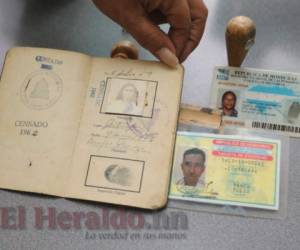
97 129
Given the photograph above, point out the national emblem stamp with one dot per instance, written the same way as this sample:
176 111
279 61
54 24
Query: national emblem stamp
41 90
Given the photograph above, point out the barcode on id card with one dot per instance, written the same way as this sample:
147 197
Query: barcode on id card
276 127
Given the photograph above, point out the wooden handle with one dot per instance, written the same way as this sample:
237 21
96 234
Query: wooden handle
240 36
125 50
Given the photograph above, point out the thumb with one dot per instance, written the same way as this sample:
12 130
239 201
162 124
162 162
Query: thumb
154 39
133 17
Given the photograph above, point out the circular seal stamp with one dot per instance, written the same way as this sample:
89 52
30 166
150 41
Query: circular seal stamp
41 90
239 184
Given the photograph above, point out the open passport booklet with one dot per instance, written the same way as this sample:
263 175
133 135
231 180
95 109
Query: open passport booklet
96 129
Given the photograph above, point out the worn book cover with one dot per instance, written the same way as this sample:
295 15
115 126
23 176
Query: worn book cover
88 128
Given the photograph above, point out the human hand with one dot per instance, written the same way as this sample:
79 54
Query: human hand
141 18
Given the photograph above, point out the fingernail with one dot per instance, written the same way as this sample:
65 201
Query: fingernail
167 57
